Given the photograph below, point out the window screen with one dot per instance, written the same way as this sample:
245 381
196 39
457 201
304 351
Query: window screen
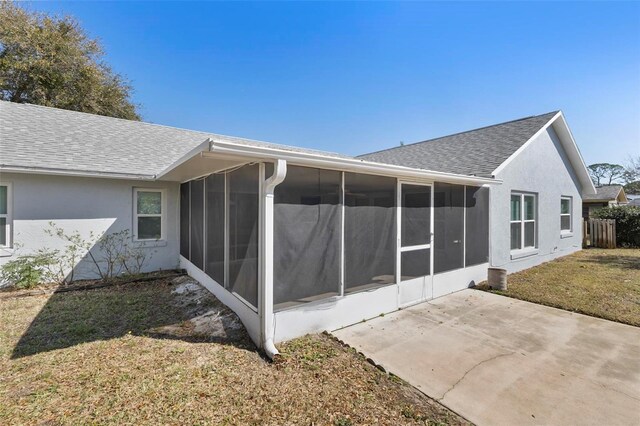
214 190
243 232
306 236
516 222
197 222
4 215
369 231
477 225
148 214
565 214
448 227
523 221
184 220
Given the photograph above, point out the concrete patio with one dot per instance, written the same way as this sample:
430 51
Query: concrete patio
501 361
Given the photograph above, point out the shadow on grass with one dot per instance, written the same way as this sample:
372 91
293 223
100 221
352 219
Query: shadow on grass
142 309
622 262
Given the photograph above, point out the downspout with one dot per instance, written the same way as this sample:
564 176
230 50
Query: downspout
266 289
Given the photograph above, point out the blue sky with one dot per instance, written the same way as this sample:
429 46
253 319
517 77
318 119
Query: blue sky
359 77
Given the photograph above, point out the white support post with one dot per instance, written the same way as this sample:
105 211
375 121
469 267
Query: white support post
266 286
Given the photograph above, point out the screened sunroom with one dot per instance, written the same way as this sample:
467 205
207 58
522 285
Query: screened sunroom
307 248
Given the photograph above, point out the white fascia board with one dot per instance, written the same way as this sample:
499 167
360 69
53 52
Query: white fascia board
79 173
574 154
570 147
524 146
339 163
204 146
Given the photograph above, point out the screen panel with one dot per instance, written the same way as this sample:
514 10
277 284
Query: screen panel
477 225
415 264
184 220
197 223
214 191
448 227
369 231
243 211
415 215
306 236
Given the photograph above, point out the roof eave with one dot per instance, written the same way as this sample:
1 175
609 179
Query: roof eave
338 163
6 168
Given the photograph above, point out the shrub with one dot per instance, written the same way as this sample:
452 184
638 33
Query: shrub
627 223
116 256
28 271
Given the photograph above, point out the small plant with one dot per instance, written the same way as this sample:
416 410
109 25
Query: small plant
75 249
30 270
116 256
120 255
343 421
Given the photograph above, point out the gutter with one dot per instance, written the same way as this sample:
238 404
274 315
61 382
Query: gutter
218 148
266 289
70 172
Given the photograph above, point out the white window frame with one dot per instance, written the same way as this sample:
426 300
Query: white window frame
8 216
570 214
522 221
162 215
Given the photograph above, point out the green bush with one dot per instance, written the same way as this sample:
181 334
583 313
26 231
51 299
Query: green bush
627 224
28 271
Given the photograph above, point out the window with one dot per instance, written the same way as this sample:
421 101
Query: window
523 221
565 214
5 215
148 212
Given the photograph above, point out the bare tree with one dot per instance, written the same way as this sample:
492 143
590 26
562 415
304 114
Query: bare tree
606 173
632 169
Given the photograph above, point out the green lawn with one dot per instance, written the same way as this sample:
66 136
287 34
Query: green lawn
130 354
598 282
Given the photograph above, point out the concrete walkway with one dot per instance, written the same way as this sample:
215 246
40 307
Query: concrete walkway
501 361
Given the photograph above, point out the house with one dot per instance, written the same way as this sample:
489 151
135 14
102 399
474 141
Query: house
605 196
297 240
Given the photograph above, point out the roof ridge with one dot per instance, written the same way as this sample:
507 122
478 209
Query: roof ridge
460 133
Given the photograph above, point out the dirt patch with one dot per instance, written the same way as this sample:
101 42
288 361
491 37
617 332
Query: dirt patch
209 318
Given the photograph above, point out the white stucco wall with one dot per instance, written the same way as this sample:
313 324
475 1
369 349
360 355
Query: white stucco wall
542 168
84 205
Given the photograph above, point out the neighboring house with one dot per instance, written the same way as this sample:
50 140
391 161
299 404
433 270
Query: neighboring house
296 240
605 196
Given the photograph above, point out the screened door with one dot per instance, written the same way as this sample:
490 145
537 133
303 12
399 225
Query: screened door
414 254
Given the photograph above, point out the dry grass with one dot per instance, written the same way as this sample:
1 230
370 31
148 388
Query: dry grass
598 282
101 356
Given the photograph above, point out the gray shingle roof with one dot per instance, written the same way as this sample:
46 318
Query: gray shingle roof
475 152
605 193
52 138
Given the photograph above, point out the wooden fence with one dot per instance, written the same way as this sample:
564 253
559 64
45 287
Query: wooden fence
599 233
